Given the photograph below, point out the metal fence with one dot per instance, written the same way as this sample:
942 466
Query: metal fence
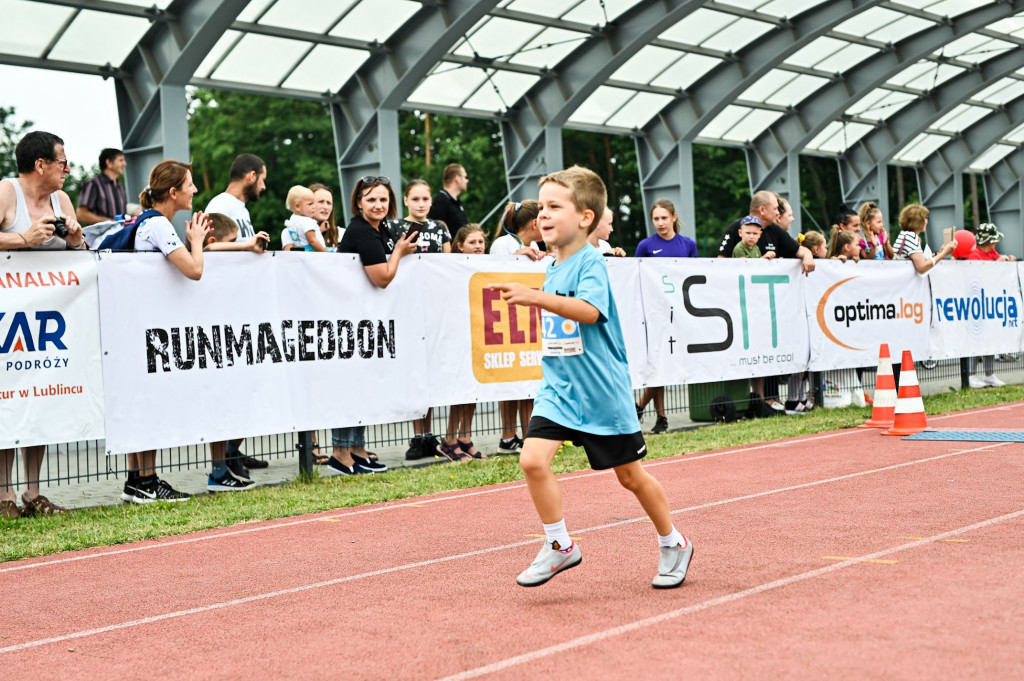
85 461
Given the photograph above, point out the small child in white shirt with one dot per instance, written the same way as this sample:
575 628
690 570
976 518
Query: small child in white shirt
301 227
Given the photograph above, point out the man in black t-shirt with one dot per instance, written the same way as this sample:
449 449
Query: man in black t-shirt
446 206
764 205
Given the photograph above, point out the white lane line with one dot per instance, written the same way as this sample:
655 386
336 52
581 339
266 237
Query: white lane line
445 559
417 502
421 501
714 602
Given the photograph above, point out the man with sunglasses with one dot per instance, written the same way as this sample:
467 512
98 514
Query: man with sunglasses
30 205
446 206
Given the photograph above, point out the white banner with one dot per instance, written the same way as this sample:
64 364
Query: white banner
976 309
261 344
710 319
51 385
854 307
477 348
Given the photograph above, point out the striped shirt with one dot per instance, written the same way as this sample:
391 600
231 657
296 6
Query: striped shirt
103 196
906 243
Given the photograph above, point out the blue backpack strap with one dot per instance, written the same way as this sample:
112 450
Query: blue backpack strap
125 239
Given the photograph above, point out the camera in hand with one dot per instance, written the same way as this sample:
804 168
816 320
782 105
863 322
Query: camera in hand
60 228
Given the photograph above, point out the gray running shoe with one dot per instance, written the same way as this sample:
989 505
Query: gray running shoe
548 563
672 566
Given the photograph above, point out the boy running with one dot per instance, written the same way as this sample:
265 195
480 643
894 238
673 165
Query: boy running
585 394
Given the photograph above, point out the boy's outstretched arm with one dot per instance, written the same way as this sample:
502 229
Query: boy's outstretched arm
571 308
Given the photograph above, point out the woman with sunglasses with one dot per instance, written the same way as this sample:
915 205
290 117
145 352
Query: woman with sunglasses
367 234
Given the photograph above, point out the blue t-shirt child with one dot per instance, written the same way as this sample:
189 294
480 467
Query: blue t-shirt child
589 391
678 246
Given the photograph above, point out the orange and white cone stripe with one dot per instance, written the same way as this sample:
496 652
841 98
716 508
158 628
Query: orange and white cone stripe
909 417
884 409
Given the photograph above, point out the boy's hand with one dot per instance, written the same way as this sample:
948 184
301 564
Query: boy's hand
259 242
769 255
515 293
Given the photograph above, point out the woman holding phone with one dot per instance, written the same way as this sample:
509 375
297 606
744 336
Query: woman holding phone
373 205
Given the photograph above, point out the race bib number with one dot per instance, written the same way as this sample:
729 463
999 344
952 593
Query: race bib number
560 337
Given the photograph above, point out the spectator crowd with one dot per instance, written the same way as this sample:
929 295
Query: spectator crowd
36 214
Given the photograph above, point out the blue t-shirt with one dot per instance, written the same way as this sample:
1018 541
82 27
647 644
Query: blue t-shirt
678 246
590 392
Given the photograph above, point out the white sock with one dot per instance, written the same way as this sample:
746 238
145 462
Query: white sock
557 534
673 538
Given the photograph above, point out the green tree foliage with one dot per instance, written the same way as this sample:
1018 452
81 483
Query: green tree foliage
10 132
293 137
613 157
721 193
429 142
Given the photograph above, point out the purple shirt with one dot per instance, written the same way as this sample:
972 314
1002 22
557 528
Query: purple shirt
678 246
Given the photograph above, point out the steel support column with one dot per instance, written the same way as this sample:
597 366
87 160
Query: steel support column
150 89
873 185
672 180
365 110
1004 195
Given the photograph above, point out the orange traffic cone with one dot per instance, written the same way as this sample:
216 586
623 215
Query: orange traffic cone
909 416
884 408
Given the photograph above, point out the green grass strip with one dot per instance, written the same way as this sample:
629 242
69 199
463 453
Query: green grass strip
112 525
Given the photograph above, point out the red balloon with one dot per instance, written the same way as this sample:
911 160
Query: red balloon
965 242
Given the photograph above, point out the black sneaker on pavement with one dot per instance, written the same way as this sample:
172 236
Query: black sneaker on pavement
253 462
164 492
660 425
335 467
415 450
510 446
236 469
431 447
369 465
228 483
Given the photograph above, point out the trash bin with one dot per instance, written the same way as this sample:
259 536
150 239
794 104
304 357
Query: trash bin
701 395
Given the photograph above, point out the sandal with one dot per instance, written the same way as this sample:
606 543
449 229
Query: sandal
318 458
452 452
468 448
40 506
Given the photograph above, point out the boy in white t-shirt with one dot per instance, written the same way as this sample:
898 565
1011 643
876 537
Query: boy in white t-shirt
302 228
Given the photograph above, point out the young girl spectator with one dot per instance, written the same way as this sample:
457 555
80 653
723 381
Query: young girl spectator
667 243
876 244
599 237
323 213
302 228
458 441
847 221
517 234
373 204
433 238
907 246
814 241
844 245
170 190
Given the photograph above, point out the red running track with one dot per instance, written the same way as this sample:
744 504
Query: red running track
844 555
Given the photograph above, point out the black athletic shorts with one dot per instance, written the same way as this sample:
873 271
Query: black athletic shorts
603 451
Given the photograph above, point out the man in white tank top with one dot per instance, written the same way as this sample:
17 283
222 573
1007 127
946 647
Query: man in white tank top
29 204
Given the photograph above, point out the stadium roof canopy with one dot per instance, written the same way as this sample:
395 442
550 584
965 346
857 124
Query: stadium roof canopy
933 84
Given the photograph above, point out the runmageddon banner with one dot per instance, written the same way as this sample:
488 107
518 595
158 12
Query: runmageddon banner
262 344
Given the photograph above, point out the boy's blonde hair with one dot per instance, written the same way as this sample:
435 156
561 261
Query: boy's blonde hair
587 189
224 228
295 194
